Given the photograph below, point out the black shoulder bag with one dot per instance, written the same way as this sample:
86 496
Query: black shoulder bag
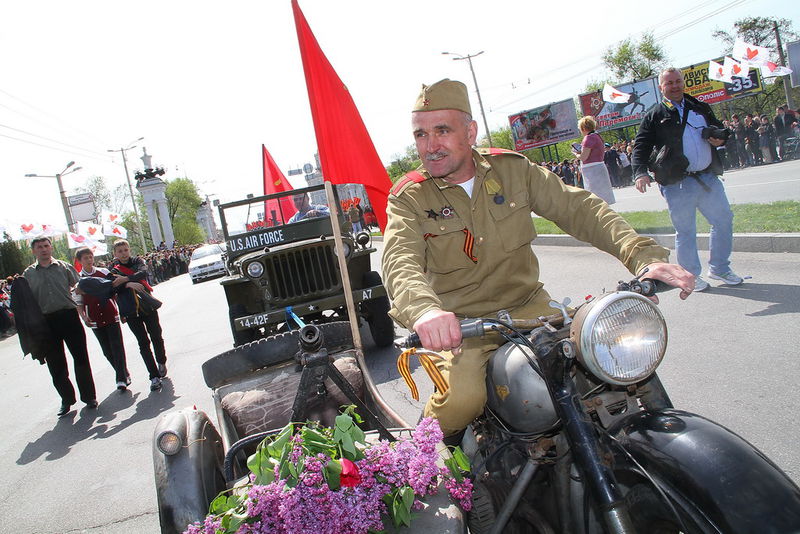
668 165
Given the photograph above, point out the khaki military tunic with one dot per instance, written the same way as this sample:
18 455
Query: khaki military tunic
472 256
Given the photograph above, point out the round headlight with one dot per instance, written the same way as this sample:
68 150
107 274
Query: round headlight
169 442
255 269
346 247
621 337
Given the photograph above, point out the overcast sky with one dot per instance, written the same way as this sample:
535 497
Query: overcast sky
206 83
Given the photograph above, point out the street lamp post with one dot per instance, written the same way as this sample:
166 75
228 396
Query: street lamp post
477 90
130 189
69 169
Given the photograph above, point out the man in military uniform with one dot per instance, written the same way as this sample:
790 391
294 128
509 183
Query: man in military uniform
458 244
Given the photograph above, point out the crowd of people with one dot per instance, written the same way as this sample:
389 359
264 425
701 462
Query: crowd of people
757 140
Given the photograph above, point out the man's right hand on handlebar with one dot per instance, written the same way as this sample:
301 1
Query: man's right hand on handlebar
439 330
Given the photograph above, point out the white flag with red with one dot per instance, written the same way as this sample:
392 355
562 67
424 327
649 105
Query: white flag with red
115 230
107 217
30 230
718 72
76 240
770 70
736 68
99 249
90 230
615 96
754 55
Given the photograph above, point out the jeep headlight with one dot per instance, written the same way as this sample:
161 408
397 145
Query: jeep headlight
621 337
345 247
255 269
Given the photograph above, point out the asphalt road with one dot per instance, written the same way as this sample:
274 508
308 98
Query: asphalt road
732 357
762 184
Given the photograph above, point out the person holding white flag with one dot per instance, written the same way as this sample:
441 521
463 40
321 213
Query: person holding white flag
677 139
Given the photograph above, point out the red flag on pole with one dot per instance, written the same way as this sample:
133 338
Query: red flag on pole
275 182
346 152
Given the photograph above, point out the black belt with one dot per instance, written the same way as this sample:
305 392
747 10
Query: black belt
696 176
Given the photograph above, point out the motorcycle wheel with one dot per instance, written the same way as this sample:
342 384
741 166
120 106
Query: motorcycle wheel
488 497
651 514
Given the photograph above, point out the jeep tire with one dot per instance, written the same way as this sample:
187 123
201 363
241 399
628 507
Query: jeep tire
376 312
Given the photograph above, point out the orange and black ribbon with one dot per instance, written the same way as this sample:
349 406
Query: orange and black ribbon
425 358
469 243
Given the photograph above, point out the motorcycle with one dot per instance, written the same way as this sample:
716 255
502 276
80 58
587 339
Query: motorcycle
579 435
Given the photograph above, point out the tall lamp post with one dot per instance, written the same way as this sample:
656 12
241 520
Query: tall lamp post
69 169
130 189
477 90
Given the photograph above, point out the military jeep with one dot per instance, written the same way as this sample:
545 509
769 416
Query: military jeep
283 271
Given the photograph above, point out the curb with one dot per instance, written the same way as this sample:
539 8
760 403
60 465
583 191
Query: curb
741 242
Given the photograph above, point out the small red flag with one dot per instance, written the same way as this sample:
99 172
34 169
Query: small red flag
346 152
275 182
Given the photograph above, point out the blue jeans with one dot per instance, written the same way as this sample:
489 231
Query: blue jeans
683 200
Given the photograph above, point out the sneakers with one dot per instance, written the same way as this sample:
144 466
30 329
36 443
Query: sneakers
700 284
122 386
155 384
63 410
162 369
730 278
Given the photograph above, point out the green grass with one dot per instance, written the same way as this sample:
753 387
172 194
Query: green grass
778 217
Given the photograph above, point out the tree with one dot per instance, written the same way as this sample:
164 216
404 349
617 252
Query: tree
96 186
402 163
183 201
757 31
629 59
15 256
501 138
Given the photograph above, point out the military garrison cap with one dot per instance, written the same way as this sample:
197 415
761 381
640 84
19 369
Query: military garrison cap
444 94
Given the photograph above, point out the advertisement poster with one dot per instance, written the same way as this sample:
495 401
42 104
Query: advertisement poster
644 94
545 125
700 86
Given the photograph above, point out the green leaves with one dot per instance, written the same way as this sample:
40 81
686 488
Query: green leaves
457 464
346 434
399 503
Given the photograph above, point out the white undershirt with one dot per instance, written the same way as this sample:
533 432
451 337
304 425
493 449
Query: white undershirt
467 186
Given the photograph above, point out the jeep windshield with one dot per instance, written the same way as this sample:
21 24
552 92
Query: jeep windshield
272 220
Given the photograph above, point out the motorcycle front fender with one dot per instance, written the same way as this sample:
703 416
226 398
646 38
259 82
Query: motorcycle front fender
711 470
187 481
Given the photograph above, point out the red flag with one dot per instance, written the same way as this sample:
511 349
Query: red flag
275 182
345 149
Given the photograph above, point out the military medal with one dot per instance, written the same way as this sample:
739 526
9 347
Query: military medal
447 212
493 188
432 214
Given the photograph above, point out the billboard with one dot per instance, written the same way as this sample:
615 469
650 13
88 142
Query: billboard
545 125
700 86
609 116
793 61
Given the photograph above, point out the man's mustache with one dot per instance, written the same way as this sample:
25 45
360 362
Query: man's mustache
434 156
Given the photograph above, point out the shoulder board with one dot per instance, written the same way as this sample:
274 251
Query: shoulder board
413 177
497 151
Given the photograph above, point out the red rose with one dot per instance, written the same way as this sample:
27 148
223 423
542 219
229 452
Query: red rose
349 478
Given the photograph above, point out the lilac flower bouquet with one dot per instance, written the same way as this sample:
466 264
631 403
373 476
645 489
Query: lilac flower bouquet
312 479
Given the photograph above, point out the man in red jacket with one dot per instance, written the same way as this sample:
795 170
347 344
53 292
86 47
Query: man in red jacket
102 316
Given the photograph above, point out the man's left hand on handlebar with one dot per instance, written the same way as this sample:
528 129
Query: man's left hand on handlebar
673 275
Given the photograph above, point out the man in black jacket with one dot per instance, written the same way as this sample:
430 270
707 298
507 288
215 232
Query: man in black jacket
686 166
783 127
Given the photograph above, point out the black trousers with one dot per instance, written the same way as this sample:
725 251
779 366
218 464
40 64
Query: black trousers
110 339
141 326
66 327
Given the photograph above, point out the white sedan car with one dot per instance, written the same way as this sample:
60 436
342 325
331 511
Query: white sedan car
207 262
